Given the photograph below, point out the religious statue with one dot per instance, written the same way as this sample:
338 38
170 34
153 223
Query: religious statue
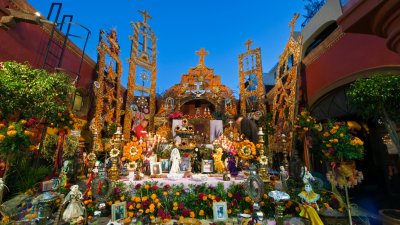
175 161
307 176
75 207
283 175
64 173
309 203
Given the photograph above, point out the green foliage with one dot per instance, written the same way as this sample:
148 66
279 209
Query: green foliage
376 93
25 176
39 93
49 146
339 144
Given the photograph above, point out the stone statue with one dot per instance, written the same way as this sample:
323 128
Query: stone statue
175 160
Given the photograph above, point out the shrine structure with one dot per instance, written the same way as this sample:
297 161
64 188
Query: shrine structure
285 94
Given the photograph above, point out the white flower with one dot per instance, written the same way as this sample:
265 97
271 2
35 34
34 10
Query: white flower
263 160
114 152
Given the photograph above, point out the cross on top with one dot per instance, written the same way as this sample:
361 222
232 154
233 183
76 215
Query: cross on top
248 44
292 23
145 15
202 53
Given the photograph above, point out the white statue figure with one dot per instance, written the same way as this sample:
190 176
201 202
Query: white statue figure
307 176
284 175
175 160
75 207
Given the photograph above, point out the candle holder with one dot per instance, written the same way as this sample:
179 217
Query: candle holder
262 170
279 197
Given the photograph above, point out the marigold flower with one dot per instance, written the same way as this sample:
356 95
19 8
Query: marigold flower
201 213
192 215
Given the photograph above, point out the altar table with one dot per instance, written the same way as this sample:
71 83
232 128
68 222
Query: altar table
212 181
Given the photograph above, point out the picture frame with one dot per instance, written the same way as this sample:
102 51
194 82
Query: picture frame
220 211
207 166
118 211
164 165
185 164
155 168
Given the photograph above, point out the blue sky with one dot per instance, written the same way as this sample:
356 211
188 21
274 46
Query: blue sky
184 26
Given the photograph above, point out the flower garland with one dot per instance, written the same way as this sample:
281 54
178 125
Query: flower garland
133 151
246 149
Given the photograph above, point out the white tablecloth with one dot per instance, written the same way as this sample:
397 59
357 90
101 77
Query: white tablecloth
212 181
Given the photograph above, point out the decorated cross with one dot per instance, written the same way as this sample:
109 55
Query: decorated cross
248 44
202 53
145 15
292 23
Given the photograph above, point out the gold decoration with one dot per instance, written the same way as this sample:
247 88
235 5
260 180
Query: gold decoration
250 65
200 83
246 149
144 57
107 87
284 95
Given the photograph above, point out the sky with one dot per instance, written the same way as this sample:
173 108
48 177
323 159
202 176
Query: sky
183 27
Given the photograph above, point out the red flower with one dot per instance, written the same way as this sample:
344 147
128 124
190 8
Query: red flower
166 187
217 198
181 206
201 195
185 212
154 187
137 187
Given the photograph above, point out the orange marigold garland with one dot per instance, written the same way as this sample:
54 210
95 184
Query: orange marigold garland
133 151
246 149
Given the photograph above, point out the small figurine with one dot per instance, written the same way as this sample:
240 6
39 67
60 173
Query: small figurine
175 160
284 175
75 207
307 176
309 199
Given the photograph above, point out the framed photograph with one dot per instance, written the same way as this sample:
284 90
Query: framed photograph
220 211
155 168
185 164
164 165
118 211
207 166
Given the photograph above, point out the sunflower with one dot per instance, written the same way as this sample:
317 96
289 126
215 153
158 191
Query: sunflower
263 160
246 149
91 156
133 151
114 152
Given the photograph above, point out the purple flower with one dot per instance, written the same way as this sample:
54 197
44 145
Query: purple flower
117 190
185 212
181 206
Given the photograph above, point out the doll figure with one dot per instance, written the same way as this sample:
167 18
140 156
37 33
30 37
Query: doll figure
309 203
75 207
175 160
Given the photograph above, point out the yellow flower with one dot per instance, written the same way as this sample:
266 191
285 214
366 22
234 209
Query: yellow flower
177 193
159 204
151 210
192 215
175 208
247 199
11 133
130 214
109 203
341 135
262 203
144 198
204 197
11 127
247 211
137 199
326 134
122 198
165 193
138 206
328 145
156 200
229 195
201 213
152 218
153 196
131 207
265 196
147 211
229 211
146 186
175 204
140 210
152 206
2 137
305 128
